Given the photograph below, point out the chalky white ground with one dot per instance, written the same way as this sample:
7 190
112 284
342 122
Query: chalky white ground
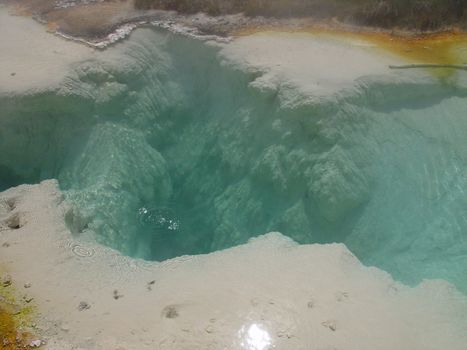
31 58
269 293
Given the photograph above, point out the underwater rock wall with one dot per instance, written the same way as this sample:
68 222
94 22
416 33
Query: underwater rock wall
165 149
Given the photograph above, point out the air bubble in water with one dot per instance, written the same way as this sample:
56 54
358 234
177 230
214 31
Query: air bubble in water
160 219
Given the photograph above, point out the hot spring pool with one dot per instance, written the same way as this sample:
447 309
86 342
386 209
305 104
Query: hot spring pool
165 153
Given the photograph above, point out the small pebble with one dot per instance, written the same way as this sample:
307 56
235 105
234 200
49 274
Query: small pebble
341 296
330 324
13 74
150 284
36 343
116 295
284 334
27 285
83 306
170 312
6 280
27 299
5 245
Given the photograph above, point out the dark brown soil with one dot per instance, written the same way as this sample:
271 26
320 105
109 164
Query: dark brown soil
407 14
94 21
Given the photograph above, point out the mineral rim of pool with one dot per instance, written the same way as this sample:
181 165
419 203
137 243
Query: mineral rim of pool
146 173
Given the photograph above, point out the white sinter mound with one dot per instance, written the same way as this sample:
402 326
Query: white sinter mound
31 58
317 65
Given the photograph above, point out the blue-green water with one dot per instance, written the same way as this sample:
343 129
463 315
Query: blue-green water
171 152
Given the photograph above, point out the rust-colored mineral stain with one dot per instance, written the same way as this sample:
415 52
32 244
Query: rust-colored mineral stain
11 336
52 27
7 330
446 48
440 48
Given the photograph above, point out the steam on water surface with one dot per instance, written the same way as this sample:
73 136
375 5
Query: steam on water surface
169 152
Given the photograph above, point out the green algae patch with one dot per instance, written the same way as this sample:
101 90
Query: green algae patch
15 319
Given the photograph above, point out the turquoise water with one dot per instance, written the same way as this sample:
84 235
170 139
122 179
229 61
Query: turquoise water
171 152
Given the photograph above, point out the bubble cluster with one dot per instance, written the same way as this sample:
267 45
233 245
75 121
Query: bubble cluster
159 219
